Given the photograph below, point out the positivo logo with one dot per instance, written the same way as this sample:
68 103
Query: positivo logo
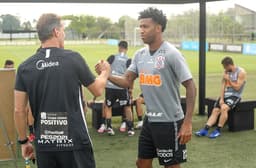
42 64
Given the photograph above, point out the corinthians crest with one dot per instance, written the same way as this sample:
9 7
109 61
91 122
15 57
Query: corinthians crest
159 62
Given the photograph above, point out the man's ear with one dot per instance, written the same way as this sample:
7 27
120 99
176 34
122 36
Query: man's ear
56 32
159 28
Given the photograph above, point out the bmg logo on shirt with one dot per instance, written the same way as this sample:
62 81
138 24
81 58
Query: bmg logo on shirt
150 79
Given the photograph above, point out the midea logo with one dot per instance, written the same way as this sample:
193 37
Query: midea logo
42 64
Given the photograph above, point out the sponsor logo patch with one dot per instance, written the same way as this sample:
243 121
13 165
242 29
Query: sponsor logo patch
42 64
54 129
150 79
159 62
154 114
165 153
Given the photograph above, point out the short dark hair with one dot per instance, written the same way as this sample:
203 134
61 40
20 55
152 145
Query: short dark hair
227 61
123 44
156 15
45 25
8 62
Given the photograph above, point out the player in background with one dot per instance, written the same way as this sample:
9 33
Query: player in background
9 64
115 94
233 83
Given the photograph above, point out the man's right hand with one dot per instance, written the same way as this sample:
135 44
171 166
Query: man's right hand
98 67
102 66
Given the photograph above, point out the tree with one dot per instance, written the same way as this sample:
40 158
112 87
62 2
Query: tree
103 24
82 24
27 25
121 26
223 26
131 33
1 23
183 26
10 22
90 22
219 26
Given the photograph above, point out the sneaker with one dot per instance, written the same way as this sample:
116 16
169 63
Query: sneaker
122 127
214 134
201 132
139 125
102 129
131 133
110 132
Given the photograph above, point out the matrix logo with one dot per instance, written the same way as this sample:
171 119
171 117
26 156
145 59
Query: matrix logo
42 64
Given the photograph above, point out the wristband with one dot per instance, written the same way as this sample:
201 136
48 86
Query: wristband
21 142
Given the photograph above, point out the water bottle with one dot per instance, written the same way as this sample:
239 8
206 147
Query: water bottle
27 163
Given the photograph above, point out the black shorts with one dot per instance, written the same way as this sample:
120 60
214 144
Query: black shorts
231 101
119 96
160 140
66 159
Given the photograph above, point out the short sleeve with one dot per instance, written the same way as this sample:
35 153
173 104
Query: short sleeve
128 62
85 75
133 67
111 59
19 83
180 67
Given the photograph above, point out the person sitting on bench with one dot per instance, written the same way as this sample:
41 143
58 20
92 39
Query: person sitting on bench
232 87
9 64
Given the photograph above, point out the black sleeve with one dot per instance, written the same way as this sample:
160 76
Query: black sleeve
128 63
85 75
111 59
19 83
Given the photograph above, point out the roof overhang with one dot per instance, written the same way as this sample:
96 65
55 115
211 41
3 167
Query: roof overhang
110 1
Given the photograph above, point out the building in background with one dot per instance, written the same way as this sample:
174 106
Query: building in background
246 17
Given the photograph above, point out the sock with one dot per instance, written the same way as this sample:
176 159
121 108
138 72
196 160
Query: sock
140 118
108 123
218 128
129 125
103 120
207 127
31 129
123 120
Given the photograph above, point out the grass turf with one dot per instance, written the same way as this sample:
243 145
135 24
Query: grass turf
232 150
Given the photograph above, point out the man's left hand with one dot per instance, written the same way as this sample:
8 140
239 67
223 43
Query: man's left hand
185 132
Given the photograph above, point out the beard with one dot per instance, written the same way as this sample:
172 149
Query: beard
148 40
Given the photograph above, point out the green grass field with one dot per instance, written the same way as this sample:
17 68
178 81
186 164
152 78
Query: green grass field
231 150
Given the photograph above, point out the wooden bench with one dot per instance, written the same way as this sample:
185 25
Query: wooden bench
116 111
240 118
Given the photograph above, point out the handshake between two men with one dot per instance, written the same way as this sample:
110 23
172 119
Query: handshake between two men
124 81
103 66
